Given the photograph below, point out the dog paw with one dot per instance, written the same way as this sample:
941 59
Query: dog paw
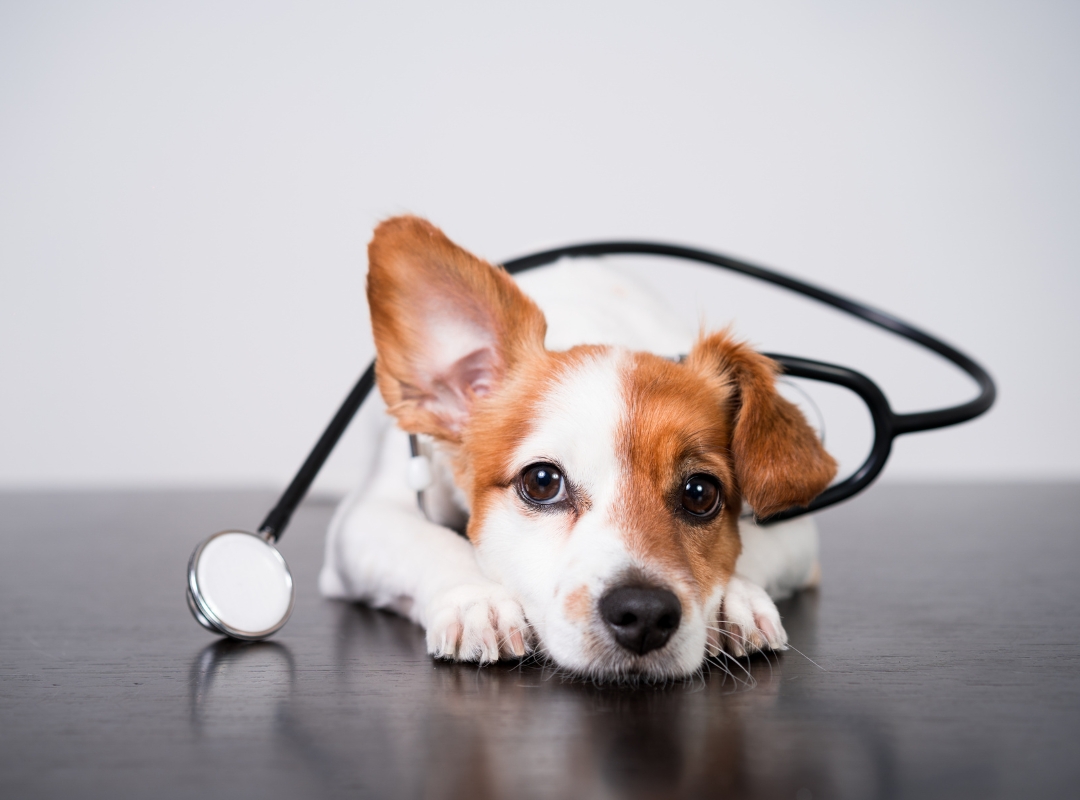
748 621
476 622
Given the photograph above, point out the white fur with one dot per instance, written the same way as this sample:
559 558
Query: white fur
382 550
586 301
782 558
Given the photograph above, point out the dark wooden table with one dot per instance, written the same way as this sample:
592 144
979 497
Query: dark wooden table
941 658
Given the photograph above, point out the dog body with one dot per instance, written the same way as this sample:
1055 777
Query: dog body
599 484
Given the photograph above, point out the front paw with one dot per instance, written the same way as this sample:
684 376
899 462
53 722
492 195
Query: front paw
476 622
748 621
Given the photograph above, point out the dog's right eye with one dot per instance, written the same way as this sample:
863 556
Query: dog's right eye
542 484
701 496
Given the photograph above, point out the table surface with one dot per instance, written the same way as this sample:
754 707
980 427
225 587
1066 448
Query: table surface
939 659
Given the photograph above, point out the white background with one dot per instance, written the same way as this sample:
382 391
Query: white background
187 189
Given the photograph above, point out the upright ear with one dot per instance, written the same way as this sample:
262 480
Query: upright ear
779 460
448 326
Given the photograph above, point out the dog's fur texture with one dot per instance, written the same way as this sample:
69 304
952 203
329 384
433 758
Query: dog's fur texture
466 360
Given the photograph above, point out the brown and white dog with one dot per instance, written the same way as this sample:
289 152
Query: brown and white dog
600 486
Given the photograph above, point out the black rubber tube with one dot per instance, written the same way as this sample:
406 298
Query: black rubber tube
278 519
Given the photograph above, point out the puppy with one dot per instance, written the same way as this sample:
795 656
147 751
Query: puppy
598 487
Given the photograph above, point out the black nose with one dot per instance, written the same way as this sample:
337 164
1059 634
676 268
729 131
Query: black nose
642 618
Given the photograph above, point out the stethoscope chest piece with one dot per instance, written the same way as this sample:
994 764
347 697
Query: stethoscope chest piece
239 585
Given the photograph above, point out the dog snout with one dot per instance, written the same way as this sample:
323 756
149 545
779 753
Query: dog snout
642 618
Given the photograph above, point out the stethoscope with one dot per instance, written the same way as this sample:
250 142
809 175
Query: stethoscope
240 586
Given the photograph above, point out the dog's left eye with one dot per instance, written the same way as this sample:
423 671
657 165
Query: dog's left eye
542 483
701 496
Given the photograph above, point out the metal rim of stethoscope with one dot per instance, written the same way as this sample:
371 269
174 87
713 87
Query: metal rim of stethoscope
887 423
204 611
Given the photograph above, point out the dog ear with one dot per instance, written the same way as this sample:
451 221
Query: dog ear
779 460
448 326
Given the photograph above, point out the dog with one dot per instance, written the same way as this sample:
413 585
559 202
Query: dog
587 493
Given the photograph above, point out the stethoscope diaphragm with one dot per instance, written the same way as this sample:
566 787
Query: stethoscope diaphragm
239 585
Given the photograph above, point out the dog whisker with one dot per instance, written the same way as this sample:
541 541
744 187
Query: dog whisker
804 655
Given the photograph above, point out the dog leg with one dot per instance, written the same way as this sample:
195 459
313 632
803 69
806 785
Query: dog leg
383 551
782 558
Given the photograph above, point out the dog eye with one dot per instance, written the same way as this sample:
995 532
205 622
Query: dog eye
542 483
701 496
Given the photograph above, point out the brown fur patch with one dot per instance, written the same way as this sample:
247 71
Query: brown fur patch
677 423
578 605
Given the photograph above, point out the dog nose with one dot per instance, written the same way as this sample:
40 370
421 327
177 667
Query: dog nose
641 618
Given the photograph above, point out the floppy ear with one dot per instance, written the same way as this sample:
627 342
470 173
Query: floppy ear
448 326
779 460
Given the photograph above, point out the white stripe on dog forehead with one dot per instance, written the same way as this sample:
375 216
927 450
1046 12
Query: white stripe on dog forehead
576 422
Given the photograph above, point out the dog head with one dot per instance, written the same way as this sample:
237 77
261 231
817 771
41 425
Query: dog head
604 486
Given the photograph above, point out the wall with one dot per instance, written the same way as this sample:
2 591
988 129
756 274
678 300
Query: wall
188 188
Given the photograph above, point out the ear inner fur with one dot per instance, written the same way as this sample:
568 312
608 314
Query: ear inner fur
448 326
779 460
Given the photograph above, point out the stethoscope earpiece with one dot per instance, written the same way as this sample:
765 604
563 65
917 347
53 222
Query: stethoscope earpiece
418 475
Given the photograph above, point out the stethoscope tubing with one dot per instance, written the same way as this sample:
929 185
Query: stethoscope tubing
887 423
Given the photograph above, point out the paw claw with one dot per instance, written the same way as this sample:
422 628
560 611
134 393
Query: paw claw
489 650
517 643
448 642
713 645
